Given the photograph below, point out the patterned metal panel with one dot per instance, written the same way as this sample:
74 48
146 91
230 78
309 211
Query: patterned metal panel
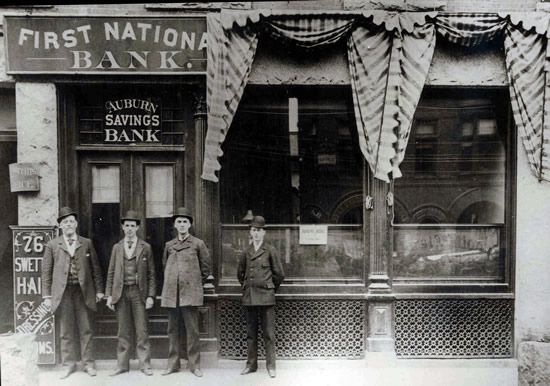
304 329
454 328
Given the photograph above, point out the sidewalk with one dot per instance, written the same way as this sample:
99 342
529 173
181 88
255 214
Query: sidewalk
371 371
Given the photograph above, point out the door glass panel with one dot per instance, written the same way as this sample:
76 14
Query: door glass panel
159 194
105 210
159 207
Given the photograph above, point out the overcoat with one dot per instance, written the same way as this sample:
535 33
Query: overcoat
146 280
260 274
186 266
55 270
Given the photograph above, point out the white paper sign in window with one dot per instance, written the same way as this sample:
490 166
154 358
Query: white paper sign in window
313 234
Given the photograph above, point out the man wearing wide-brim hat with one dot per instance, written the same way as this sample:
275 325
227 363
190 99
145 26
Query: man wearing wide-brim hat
187 266
72 284
130 291
260 273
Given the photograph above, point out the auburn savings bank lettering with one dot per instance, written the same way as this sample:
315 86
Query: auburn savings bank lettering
131 120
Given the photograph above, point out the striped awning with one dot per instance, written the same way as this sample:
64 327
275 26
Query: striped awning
527 64
389 55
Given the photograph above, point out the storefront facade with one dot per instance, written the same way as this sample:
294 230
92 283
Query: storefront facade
441 262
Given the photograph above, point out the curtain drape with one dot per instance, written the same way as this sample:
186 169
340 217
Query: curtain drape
389 56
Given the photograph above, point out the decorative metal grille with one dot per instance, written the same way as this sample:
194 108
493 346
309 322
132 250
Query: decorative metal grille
304 329
454 328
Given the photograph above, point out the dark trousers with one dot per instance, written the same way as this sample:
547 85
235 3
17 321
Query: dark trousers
130 312
73 315
267 314
190 316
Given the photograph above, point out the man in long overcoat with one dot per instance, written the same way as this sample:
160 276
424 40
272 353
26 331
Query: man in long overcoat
72 284
186 263
130 290
260 273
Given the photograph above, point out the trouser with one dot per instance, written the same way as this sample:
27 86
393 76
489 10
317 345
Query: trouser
190 316
130 312
73 315
267 314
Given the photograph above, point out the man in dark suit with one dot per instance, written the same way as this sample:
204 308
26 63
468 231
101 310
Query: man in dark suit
260 273
130 291
186 263
72 284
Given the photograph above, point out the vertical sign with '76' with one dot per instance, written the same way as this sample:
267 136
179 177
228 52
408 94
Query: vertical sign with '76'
30 313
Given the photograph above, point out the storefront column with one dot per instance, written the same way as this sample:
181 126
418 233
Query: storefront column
36 117
380 337
204 192
204 214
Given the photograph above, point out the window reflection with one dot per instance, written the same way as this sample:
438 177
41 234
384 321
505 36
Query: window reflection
292 155
454 174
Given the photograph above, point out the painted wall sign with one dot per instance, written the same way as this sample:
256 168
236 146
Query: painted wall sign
61 44
313 234
132 120
30 313
24 177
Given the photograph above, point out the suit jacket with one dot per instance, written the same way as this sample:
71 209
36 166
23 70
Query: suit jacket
146 279
55 270
186 265
260 274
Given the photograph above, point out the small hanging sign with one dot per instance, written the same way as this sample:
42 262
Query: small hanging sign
24 177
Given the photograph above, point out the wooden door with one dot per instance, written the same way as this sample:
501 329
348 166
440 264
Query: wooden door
151 183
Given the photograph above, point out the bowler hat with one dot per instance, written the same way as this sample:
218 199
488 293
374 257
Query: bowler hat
257 222
131 215
65 212
182 212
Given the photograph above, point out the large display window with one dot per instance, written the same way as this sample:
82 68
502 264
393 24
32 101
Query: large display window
452 203
292 156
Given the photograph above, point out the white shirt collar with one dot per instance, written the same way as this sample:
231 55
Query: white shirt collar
67 238
133 239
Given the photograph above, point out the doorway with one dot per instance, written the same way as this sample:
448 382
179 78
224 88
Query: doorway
152 183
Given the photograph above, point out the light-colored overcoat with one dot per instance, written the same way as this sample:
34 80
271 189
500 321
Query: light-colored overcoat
146 280
55 270
186 266
260 274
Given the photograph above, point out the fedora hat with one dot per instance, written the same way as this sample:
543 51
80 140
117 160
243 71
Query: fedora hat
131 215
182 212
257 222
65 212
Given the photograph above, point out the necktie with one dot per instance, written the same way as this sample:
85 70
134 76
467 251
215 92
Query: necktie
130 242
71 241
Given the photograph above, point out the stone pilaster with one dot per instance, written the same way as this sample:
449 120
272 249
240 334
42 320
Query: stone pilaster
36 115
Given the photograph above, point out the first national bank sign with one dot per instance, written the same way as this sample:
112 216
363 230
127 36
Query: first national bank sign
105 44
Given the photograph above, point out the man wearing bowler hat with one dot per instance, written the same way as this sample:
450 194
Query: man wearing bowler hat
260 273
186 263
130 291
72 284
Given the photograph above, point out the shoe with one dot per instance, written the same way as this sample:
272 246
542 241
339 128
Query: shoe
248 370
147 371
118 372
68 371
91 371
169 371
272 373
197 372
